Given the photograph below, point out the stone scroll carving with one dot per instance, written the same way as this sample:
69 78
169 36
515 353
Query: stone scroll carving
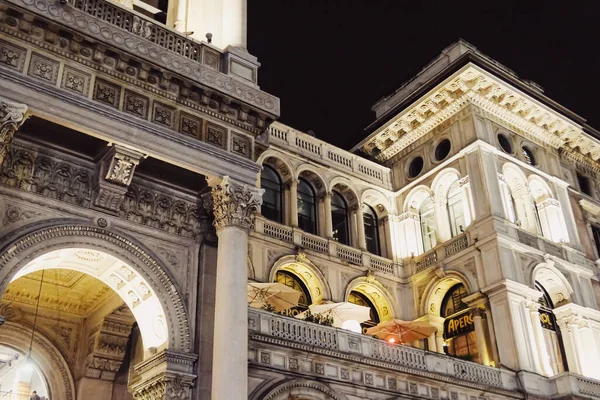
116 170
233 203
12 116
166 376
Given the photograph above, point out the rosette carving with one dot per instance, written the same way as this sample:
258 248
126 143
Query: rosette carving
234 203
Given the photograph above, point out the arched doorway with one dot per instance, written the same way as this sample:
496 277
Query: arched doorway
459 328
87 288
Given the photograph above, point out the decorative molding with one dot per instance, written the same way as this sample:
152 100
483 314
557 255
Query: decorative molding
473 85
12 116
234 203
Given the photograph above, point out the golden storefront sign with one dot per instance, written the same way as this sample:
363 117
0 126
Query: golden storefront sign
458 324
547 319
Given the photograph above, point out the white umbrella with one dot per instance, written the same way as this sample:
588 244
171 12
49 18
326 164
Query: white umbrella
340 312
277 295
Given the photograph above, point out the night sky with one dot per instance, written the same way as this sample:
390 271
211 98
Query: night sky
330 60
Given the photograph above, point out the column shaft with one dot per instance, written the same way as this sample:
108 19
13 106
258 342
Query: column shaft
481 339
327 211
360 228
293 203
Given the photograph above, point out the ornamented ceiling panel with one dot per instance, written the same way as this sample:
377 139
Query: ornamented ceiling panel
63 290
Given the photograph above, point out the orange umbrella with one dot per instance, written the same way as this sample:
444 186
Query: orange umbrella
400 331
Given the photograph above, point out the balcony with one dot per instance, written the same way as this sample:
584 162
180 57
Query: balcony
329 247
318 150
269 330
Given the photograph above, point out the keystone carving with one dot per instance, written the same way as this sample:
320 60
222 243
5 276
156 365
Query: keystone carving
12 116
233 203
116 170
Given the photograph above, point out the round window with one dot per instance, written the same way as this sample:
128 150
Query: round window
505 143
442 150
415 167
528 155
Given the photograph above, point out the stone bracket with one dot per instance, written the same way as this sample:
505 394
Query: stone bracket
166 375
115 173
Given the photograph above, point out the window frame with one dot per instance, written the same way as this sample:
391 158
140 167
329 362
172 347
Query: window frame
279 194
314 221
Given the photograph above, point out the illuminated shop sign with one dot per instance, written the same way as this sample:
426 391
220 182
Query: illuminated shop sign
547 320
458 324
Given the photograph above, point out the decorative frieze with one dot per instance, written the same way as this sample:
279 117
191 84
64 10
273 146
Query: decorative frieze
12 115
234 203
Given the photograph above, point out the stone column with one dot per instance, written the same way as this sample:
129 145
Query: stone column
327 214
360 228
539 338
233 205
12 116
485 186
481 338
439 341
293 202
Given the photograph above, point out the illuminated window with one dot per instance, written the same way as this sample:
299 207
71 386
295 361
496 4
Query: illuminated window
428 225
371 224
291 280
339 218
307 220
362 300
456 209
459 329
552 336
272 200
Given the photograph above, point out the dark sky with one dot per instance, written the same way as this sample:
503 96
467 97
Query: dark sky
330 60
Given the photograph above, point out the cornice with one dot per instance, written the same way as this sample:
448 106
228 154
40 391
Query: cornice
138 46
473 85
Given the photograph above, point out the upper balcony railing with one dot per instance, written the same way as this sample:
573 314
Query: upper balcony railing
318 150
325 246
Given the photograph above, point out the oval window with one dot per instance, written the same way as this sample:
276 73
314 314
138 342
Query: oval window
442 150
528 155
505 143
415 167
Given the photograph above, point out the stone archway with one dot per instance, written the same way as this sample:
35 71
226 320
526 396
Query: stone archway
134 273
18 254
308 272
379 296
44 355
302 389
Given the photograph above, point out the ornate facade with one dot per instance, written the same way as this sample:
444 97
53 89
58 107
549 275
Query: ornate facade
144 183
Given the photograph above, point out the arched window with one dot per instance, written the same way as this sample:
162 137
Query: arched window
291 280
307 215
428 225
272 200
508 202
360 299
339 218
459 328
371 224
456 209
552 337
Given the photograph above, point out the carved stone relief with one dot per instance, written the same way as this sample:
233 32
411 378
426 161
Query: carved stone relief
12 115
234 203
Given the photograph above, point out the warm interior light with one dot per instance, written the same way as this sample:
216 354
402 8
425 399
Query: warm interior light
392 340
352 325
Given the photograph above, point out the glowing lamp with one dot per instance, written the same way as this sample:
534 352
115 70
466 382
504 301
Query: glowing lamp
391 340
352 325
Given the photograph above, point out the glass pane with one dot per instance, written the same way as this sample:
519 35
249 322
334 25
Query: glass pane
272 198
339 218
371 230
289 279
456 210
361 300
428 225
306 207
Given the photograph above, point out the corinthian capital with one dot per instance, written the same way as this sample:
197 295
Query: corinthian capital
234 203
12 115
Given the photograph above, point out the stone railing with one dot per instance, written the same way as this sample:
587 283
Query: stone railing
263 325
440 253
318 150
330 247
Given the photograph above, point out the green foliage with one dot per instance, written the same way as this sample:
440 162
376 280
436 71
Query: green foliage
320 319
269 308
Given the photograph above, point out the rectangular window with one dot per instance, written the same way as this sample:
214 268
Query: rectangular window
596 233
584 184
